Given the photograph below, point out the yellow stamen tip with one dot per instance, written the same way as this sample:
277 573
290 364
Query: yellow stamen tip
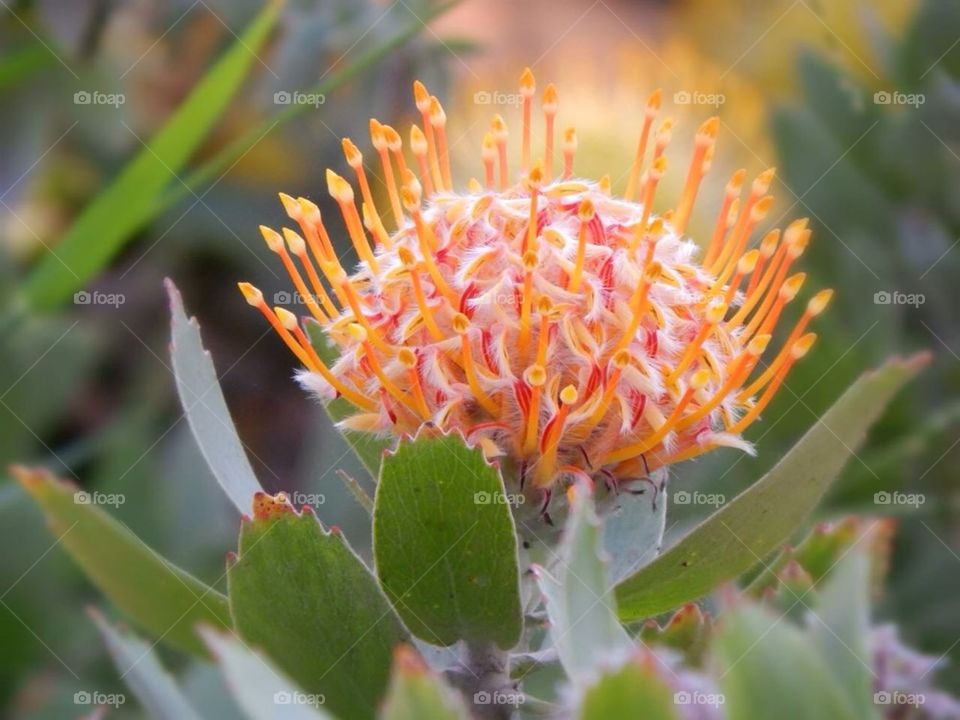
762 207
699 379
406 256
709 129
758 345
252 295
818 303
291 206
273 239
792 286
357 332
802 346
550 99
393 138
535 375
286 318
407 357
586 210
768 245
377 136
498 127
748 262
655 100
295 243
352 153
530 260
569 395
438 117
528 83
460 323
715 312
621 359
339 189
763 181
418 141
570 140
421 96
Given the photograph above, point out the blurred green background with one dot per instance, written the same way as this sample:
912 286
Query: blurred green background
856 103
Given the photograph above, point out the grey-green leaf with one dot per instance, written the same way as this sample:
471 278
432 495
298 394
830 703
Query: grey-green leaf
144 675
445 544
633 527
258 687
159 597
416 693
579 597
631 691
302 596
763 517
768 669
839 622
205 408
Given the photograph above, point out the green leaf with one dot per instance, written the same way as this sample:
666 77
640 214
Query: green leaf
840 628
580 605
632 691
767 669
228 155
445 545
633 528
368 447
301 595
205 408
416 693
162 599
259 689
128 202
764 516
142 672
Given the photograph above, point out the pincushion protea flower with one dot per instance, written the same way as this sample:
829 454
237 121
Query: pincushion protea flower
547 320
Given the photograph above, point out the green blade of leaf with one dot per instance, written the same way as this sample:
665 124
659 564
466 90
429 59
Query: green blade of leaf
302 596
632 691
128 202
258 687
160 598
205 408
840 628
579 598
144 675
763 517
445 544
232 152
416 693
767 669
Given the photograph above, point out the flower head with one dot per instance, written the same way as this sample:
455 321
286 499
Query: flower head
572 331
